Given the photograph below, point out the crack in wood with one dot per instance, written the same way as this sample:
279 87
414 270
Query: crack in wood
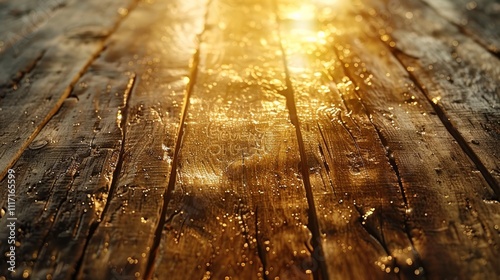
325 163
348 130
116 173
66 93
19 76
313 223
260 249
394 166
379 240
49 191
59 206
167 196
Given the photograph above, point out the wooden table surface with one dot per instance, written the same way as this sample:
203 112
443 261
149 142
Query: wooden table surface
250 139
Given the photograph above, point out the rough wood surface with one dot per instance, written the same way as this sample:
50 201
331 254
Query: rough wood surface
39 73
243 139
459 78
348 162
64 177
463 225
20 19
477 19
238 191
159 51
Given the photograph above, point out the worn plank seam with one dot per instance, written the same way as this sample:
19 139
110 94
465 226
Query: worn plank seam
394 166
260 250
313 224
21 74
116 173
167 196
452 130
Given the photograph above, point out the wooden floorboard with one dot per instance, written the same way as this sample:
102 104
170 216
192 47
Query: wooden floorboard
39 72
243 139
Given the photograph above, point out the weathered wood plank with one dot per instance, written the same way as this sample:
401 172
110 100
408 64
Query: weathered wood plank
73 159
238 208
63 178
451 218
360 207
20 18
457 75
478 19
40 72
158 42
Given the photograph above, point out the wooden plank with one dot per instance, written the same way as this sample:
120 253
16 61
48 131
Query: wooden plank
457 75
21 18
40 72
63 178
360 206
453 221
158 42
238 208
477 19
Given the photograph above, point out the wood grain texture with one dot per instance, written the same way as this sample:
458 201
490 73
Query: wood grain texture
238 208
348 163
449 208
251 139
63 178
478 19
157 42
39 73
20 19
456 74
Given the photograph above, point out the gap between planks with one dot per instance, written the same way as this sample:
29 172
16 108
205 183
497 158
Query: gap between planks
313 223
178 143
123 127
